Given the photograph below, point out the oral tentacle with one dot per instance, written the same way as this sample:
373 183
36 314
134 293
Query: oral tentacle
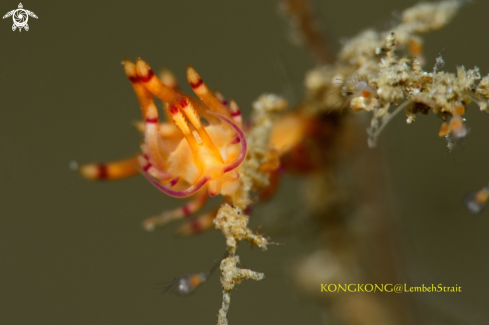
179 194
146 165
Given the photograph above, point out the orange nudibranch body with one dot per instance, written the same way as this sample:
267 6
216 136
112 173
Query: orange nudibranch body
183 150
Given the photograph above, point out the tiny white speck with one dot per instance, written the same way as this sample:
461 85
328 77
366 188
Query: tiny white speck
73 165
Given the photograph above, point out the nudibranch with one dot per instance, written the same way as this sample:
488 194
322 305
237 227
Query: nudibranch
181 155
196 149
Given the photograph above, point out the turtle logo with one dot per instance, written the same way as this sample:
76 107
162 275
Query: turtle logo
20 17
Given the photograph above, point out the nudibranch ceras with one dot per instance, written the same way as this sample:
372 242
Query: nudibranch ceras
182 155
205 155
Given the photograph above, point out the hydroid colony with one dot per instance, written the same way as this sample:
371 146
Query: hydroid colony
203 148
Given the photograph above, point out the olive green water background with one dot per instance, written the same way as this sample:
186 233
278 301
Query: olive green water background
74 252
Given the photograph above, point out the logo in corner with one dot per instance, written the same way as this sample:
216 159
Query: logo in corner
20 17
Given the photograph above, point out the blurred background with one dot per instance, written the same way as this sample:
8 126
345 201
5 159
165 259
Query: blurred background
74 252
